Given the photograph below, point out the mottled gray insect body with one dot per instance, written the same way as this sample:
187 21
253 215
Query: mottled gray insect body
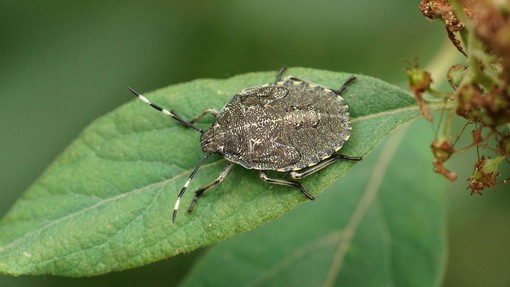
290 125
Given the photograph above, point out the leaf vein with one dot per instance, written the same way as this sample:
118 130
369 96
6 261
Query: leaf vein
364 204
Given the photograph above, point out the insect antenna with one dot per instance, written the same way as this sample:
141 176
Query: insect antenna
172 114
178 201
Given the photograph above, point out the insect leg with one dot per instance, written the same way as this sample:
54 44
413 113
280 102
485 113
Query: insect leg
345 85
280 74
201 190
264 177
211 111
321 165
172 114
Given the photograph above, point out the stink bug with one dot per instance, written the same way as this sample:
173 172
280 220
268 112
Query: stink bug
290 125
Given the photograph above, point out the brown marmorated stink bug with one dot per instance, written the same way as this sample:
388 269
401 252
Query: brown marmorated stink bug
291 126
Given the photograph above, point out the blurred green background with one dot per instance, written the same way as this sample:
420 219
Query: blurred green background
63 64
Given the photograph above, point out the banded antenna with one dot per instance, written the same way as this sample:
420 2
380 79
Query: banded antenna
178 201
172 114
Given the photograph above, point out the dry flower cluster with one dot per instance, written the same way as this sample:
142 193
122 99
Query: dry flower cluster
480 30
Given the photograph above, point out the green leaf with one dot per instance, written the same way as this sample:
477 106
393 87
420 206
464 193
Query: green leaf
105 203
383 225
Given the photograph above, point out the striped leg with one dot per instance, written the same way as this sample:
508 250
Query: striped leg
264 177
321 165
201 190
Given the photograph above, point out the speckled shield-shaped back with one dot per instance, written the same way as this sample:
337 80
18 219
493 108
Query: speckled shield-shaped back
288 125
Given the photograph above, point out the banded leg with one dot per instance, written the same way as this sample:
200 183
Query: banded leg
295 184
345 85
321 165
201 190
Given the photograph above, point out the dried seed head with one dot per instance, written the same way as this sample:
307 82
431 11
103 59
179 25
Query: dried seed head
481 85
491 109
418 79
442 9
497 104
484 174
419 82
469 101
442 149
491 23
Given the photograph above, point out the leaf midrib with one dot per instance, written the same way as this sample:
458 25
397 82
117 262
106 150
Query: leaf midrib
363 206
342 237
